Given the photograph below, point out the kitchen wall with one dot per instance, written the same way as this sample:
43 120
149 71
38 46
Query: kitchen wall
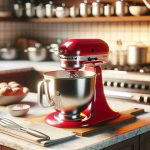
129 32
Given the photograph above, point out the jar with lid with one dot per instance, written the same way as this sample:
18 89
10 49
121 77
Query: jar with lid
121 8
85 9
49 9
30 9
97 8
18 9
109 10
40 10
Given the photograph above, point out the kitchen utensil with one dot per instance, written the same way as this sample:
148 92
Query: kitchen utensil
138 55
74 11
85 9
51 49
49 9
8 100
62 11
8 53
146 3
121 8
78 96
37 53
40 11
138 10
97 8
7 123
18 10
18 110
109 10
29 10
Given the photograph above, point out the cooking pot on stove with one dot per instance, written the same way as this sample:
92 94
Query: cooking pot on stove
138 55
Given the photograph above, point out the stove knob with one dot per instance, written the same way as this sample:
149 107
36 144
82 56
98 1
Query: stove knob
148 99
137 86
112 84
118 84
141 99
105 83
115 84
145 87
124 85
131 86
108 83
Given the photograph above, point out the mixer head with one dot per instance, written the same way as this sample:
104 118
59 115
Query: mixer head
76 52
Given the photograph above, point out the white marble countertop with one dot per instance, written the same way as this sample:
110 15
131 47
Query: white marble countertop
96 141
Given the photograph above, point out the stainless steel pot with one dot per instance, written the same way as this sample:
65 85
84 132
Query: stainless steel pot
18 10
8 53
85 9
40 11
69 92
52 48
138 55
97 8
121 8
49 9
109 10
37 53
29 10
74 11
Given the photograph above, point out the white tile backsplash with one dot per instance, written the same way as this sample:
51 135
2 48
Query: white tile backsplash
128 32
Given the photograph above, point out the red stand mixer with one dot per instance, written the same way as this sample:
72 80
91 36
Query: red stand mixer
93 109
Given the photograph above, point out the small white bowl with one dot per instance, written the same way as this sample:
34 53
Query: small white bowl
138 10
18 110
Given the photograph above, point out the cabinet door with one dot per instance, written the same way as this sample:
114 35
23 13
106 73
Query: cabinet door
145 141
130 144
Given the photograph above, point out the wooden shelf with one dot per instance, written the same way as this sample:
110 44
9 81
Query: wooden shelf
80 19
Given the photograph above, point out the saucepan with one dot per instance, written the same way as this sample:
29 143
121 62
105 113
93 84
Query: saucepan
138 55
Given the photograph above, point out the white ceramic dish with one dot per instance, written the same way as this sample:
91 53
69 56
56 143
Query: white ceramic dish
8 100
138 10
18 110
4 14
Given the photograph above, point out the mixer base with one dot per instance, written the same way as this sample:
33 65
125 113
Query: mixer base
85 122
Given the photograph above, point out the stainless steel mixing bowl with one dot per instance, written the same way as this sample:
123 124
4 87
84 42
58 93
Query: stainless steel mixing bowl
69 92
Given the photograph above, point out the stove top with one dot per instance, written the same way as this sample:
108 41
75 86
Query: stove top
140 69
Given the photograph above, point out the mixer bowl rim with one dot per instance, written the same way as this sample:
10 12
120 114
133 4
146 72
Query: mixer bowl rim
93 74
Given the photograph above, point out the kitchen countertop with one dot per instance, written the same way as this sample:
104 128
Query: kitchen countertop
21 65
25 64
96 141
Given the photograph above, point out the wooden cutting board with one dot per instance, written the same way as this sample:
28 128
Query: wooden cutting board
125 116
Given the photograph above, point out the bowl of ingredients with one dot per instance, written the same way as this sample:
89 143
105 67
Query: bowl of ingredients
18 110
138 10
12 93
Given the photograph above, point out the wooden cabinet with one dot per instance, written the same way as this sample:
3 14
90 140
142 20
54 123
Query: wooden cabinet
145 141
130 144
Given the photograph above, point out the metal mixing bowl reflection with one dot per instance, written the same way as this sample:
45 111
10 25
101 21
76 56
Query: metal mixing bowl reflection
70 91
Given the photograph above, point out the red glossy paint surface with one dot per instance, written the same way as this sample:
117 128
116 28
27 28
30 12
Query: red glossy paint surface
83 47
